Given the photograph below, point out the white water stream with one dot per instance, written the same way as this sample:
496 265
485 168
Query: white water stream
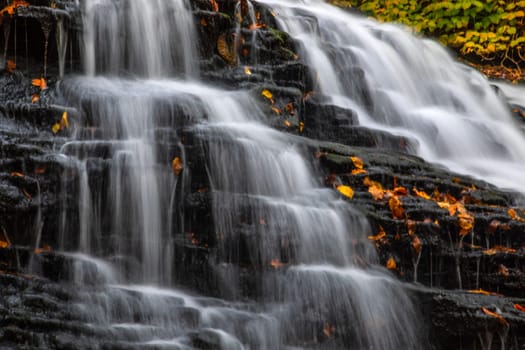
416 89
264 192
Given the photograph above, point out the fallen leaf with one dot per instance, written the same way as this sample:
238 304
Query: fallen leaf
421 194
519 307
276 110
482 292
346 191
503 270
55 128
379 236
287 123
275 263
64 122
214 5
40 171
17 174
203 22
45 248
498 249
10 10
177 166
391 264
289 108
301 127
358 162
40 82
10 66
255 26
493 226
35 98
359 171
466 222
4 244
266 93
328 330
411 226
374 188
247 71
225 50
514 215
400 191
416 243
28 196
396 207
495 315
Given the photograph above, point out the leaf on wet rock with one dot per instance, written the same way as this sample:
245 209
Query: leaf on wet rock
380 236
10 66
391 264
493 226
276 110
466 223
374 188
503 270
267 93
358 162
276 264
394 203
416 244
411 227
514 215
55 128
247 71
40 83
301 127
177 166
347 191
483 292
17 174
35 98
214 5
64 122
4 244
400 191
498 249
519 307
226 51
497 316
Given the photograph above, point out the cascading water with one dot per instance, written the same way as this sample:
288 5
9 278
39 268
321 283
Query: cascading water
126 216
411 87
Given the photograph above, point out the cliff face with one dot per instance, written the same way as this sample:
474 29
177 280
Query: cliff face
452 238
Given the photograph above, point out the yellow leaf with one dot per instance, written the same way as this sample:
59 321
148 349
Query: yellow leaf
514 215
278 112
374 188
466 222
421 194
301 127
55 128
247 71
346 191
286 122
177 166
359 171
266 93
391 264
64 123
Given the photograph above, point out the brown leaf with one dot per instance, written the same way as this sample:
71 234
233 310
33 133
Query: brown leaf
17 174
358 171
226 51
496 316
4 244
35 98
411 226
203 22
177 166
10 66
493 226
214 5
28 196
503 270
328 330
289 108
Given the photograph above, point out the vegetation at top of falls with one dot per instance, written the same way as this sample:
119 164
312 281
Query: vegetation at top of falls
490 31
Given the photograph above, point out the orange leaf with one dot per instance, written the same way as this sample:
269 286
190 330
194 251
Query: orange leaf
289 108
40 82
359 171
514 215
400 191
177 166
64 123
379 236
28 196
416 243
358 162
35 98
498 249
275 263
421 194
483 292
391 264
287 123
493 226
395 207
247 71
519 307
203 22
4 244
277 111
17 174
496 316
214 5
411 226
40 171
466 222
374 188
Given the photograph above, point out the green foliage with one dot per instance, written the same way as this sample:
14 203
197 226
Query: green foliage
491 29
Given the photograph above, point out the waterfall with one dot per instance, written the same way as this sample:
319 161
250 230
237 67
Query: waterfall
416 89
138 102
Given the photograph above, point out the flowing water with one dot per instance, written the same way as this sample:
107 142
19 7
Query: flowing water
410 87
139 102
